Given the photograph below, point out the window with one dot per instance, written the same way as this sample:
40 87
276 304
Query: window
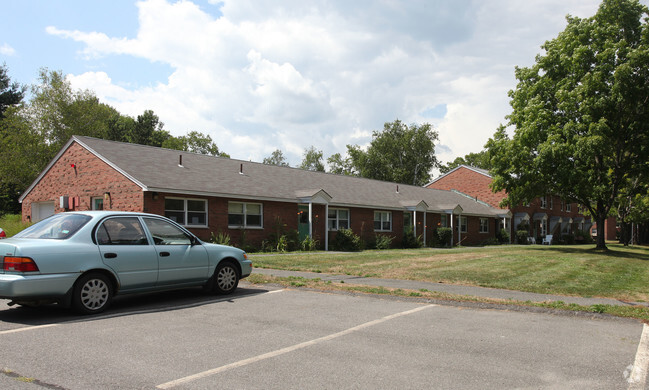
244 215
121 231
164 233
187 212
382 221
97 203
544 202
568 207
463 224
544 227
484 225
338 219
444 220
407 221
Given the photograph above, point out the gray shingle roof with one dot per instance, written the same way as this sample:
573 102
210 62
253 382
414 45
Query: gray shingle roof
157 169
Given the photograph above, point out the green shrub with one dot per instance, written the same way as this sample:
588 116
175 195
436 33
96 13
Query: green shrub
582 237
220 238
521 237
410 240
13 224
382 241
309 244
347 241
444 236
502 236
491 241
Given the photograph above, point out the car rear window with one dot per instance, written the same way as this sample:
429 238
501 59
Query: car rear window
58 226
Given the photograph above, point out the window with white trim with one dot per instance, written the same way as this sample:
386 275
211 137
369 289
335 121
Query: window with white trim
245 215
463 222
544 202
544 227
444 220
568 207
484 225
382 221
186 212
338 219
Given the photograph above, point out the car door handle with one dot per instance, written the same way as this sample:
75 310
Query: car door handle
164 254
110 255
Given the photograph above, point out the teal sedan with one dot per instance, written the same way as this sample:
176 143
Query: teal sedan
83 259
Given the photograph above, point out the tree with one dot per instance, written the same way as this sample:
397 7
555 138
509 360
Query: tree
339 165
11 94
400 153
312 160
276 158
194 142
580 114
476 160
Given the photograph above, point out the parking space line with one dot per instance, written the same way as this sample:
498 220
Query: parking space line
638 377
282 351
27 328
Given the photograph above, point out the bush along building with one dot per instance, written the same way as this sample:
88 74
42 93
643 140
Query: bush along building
544 219
253 204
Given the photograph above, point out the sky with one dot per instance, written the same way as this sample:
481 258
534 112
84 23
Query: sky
288 74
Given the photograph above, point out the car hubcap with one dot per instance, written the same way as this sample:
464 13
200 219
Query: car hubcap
94 294
226 278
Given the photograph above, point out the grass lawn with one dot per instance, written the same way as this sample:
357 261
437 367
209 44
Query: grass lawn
620 273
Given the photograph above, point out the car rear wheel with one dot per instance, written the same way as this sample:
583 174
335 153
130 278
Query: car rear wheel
92 294
226 278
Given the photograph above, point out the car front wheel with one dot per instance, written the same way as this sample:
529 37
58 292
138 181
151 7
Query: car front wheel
226 278
92 294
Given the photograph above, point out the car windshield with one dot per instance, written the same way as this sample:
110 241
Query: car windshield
59 226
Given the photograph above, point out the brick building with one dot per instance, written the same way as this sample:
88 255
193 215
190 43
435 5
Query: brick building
547 215
249 201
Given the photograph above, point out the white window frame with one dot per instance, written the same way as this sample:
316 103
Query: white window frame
245 215
93 202
186 211
568 207
544 228
484 225
384 216
337 219
544 202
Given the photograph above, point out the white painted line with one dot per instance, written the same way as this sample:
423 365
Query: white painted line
27 328
638 377
282 351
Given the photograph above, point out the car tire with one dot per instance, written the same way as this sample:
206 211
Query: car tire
92 294
226 278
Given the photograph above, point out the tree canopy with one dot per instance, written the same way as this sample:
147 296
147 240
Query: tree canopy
580 114
11 94
400 153
276 158
312 160
476 160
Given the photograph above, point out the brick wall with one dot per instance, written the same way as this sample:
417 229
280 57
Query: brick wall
471 183
79 173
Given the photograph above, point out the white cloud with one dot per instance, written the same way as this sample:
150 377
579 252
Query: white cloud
290 74
7 50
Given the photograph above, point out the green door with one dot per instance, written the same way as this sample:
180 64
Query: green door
303 221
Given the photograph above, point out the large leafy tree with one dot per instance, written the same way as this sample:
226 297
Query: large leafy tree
312 160
580 114
477 160
400 153
276 158
194 142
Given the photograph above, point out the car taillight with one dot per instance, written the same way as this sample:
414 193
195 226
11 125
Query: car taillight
3 234
19 264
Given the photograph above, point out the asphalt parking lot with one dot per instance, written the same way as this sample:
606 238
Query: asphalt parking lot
265 337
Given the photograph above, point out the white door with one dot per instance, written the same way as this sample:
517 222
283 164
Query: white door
42 210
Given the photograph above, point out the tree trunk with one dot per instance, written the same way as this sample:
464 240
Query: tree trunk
601 238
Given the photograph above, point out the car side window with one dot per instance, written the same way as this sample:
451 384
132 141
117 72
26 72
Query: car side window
164 233
121 231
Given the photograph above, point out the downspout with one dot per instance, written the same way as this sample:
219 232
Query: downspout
311 220
459 229
414 223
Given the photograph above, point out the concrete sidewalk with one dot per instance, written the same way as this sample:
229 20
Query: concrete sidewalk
445 288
